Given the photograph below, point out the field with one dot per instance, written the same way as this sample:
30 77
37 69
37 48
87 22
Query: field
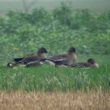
48 87
49 78
97 100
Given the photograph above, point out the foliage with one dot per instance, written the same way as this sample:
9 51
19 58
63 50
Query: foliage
23 33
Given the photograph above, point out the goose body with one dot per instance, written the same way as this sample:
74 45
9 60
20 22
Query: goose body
29 59
59 59
64 59
91 63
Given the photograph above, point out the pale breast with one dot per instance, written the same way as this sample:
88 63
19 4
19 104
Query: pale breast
72 59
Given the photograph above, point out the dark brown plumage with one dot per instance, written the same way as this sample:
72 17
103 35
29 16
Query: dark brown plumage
89 64
68 58
29 59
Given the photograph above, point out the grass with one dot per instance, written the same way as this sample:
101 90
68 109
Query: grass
48 78
50 88
97 100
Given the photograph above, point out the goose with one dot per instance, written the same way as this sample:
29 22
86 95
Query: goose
30 59
91 63
64 59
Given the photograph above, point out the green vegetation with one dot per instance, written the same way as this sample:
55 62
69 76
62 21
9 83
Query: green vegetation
23 33
49 78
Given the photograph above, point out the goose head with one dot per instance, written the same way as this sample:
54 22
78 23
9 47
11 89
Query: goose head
42 52
92 63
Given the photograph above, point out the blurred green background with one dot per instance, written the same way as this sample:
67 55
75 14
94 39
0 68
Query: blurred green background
27 25
95 5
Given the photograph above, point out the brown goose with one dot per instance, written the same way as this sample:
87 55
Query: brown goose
30 59
91 63
65 59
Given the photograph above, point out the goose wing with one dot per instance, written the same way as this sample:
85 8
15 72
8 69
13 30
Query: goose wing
17 59
80 65
57 60
31 59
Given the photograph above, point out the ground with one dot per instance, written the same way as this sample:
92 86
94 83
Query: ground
50 88
97 100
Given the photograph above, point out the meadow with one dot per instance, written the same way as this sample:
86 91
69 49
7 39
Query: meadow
48 78
48 87
56 88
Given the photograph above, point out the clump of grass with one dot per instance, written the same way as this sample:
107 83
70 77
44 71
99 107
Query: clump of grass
48 78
